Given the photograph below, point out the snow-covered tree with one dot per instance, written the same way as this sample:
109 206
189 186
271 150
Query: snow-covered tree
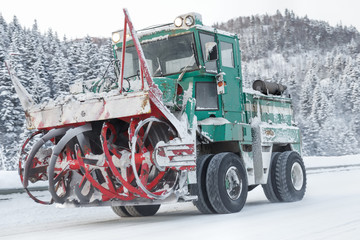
62 77
307 92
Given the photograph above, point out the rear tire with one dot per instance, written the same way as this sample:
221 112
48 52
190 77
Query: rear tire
270 188
199 189
226 183
290 177
142 210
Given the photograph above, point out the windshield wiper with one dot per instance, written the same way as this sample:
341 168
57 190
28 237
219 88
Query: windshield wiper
159 68
185 69
196 62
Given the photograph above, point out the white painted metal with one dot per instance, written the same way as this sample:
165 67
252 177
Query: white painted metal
233 183
93 108
297 176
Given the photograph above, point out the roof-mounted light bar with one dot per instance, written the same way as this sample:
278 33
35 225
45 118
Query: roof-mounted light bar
188 20
183 21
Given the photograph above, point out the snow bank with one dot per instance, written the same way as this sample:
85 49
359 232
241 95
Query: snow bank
11 180
312 162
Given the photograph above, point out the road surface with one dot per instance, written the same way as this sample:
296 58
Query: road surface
330 210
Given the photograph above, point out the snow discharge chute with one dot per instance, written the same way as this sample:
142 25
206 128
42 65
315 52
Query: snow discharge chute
25 98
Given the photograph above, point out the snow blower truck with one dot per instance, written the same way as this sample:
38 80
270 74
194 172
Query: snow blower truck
174 125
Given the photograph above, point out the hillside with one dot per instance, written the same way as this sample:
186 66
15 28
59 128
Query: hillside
288 34
319 63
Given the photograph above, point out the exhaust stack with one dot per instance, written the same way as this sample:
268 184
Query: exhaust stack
266 87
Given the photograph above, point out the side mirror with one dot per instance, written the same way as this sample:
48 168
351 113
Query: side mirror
211 51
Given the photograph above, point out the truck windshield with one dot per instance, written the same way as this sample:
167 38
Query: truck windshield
164 56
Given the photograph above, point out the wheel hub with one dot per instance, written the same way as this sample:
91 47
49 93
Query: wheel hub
233 183
297 176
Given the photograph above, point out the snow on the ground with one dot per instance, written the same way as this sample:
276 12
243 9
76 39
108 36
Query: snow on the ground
330 210
10 179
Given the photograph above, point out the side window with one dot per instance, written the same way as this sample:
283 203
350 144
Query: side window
206 96
204 38
227 54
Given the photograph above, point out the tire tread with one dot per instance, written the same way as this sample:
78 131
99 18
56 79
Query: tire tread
199 189
282 179
120 211
270 189
142 210
212 179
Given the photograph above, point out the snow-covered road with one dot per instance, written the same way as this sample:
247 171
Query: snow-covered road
330 210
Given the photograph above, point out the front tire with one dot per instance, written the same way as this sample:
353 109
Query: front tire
142 210
226 183
290 177
199 189
120 211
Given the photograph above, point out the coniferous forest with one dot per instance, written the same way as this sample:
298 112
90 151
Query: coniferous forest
46 65
319 63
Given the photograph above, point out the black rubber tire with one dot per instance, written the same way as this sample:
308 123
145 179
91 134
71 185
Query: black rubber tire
284 184
199 189
270 189
121 211
142 210
215 183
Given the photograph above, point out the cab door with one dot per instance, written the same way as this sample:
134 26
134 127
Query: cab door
208 102
229 70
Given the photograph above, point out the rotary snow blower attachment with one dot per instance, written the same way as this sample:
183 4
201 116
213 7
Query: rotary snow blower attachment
174 125
112 148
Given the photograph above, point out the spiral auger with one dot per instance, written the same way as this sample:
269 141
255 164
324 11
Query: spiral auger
144 138
130 174
88 164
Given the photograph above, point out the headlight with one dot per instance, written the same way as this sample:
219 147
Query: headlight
178 22
116 37
189 20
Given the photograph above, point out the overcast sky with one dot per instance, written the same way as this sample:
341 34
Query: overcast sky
78 18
